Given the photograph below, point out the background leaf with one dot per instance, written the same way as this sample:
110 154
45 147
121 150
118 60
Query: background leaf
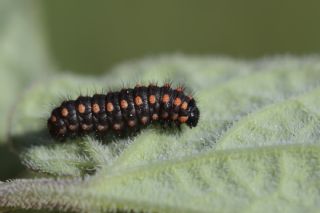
24 58
23 53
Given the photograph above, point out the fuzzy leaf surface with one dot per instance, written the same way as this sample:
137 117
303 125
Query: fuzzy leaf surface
256 144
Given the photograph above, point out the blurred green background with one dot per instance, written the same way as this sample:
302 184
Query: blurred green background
90 37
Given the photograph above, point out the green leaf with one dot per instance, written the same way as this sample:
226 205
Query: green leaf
256 144
290 122
276 179
72 159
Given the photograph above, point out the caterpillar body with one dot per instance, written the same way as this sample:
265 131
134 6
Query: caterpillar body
125 111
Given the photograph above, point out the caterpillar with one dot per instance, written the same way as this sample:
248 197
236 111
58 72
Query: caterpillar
125 111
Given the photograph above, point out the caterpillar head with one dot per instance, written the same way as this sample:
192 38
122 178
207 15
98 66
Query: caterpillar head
194 114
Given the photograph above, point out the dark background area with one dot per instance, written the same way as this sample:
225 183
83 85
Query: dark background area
91 37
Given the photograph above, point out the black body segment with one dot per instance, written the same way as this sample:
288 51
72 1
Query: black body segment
125 111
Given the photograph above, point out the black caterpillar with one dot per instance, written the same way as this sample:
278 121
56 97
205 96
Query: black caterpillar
126 111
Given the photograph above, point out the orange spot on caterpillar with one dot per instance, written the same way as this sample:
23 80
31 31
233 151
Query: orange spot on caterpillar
109 107
138 100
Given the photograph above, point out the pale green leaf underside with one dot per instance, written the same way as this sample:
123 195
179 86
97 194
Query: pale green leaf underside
275 179
256 143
